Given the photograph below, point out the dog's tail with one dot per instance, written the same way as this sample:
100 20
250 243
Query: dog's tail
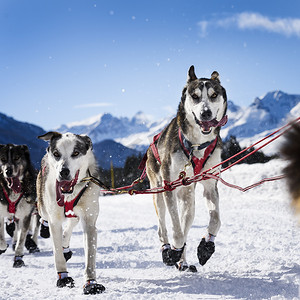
291 152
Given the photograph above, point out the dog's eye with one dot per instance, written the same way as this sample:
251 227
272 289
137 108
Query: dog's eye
75 153
16 158
56 154
3 159
214 95
195 96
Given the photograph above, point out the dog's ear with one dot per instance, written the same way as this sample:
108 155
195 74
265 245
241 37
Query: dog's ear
50 135
88 141
26 151
191 74
215 76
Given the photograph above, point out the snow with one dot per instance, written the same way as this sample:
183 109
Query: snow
257 249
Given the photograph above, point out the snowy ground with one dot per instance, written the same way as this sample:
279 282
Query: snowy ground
257 250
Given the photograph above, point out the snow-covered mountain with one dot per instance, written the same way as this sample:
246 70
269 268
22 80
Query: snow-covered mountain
262 116
112 136
106 126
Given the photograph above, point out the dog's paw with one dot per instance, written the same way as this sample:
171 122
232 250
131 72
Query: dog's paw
2 251
10 228
44 231
67 253
92 288
184 267
171 256
30 244
18 262
66 281
205 251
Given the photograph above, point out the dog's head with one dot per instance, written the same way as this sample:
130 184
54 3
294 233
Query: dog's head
14 159
204 101
70 155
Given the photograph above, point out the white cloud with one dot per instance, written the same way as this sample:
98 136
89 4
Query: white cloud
285 26
91 105
246 20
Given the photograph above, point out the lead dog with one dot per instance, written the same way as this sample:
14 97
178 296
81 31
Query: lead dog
191 138
17 199
62 196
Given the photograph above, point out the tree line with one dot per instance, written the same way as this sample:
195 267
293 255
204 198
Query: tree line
118 177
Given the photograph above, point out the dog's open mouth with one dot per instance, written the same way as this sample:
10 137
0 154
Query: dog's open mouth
14 183
206 126
67 186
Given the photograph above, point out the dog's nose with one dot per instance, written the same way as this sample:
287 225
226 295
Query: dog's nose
64 173
9 172
206 115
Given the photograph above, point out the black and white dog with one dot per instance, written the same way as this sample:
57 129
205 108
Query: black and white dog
62 196
191 141
17 199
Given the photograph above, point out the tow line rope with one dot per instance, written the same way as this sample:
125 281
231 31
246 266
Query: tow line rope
211 173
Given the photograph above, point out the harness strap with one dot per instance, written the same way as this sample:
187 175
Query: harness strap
188 148
12 205
154 151
69 205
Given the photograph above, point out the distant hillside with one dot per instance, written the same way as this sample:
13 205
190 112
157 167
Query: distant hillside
15 132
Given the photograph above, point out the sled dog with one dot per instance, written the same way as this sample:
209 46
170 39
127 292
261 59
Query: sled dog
62 196
290 151
191 141
17 199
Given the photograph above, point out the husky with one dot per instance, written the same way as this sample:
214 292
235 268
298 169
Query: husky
290 151
63 196
191 141
17 199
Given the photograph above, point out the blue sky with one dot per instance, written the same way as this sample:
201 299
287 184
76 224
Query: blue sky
63 61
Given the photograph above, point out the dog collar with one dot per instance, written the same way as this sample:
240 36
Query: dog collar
188 148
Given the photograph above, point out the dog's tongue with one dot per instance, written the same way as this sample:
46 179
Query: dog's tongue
205 126
65 186
14 184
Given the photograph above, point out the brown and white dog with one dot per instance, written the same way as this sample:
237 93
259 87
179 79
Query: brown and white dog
191 139
17 199
291 152
62 196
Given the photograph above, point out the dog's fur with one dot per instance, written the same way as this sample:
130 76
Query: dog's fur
291 152
68 160
202 100
17 177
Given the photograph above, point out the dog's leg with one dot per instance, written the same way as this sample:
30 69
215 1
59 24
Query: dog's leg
160 208
67 233
186 197
22 229
90 242
171 255
207 247
32 235
36 226
55 227
3 245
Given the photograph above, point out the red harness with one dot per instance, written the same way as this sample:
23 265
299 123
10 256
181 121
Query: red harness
69 205
188 148
11 204
197 163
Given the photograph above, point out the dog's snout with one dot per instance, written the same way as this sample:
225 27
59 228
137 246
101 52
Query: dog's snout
206 115
64 173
